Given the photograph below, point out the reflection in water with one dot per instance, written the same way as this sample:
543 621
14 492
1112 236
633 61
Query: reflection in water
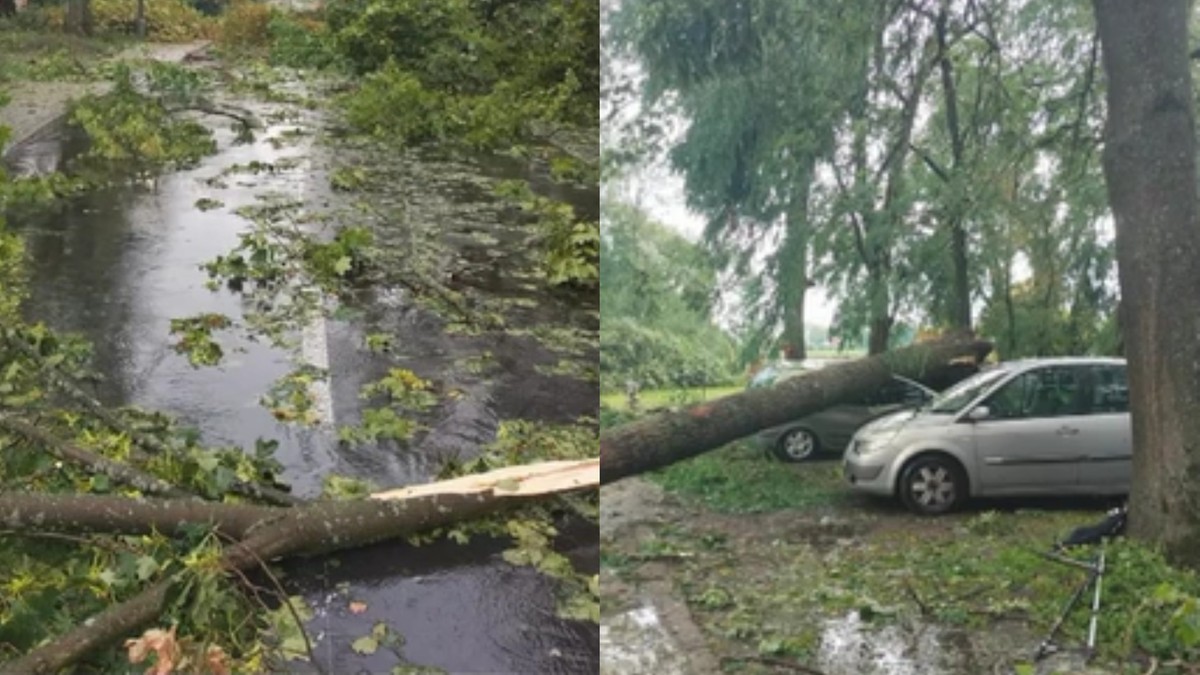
453 610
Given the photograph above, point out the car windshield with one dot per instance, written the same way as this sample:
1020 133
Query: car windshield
953 399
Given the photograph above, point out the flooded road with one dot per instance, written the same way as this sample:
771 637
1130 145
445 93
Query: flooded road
117 266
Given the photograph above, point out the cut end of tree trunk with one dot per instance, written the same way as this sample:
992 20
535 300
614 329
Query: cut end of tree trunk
516 481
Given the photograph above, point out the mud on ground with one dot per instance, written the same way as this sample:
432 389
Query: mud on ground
687 589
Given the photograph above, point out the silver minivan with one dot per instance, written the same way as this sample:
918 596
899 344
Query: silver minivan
1053 426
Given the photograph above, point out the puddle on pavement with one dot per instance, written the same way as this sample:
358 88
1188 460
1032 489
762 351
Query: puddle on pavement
850 645
636 643
117 265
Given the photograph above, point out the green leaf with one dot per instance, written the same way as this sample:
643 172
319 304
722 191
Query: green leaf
100 484
365 645
146 567
342 265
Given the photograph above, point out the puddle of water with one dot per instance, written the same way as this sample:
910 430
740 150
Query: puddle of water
636 643
116 266
852 646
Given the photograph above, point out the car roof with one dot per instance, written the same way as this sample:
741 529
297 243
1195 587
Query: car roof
1064 361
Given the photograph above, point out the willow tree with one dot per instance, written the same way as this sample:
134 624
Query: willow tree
759 84
1150 167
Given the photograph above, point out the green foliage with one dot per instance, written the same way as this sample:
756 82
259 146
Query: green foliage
334 486
347 258
300 43
136 133
284 271
196 338
405 395
661 357
166 20
570 247
656 299
393 104
290 398
466 70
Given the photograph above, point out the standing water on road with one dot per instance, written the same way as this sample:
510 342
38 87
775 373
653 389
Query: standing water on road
118 266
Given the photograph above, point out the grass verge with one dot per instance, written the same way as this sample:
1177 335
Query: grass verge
658 398
739 478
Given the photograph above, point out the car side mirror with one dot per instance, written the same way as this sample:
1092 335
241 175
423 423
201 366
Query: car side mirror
979 412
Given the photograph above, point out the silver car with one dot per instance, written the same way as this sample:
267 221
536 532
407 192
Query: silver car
1054 426
831 429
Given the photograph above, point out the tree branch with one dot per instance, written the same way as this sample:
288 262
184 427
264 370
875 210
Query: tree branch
931 163
119 472
62 382
266 533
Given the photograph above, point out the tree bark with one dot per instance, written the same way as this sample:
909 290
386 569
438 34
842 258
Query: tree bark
79 17
793 277
960 316
1150 169
268 532
655 442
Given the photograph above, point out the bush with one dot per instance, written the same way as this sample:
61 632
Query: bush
298 42
393 103
246 24
658 358
439 41
166 20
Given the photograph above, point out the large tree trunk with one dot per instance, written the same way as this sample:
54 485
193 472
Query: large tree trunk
880 329
1150 168
657 441
960 306
267 532
793 279
78 20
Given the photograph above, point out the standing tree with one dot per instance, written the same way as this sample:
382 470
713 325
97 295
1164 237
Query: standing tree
78 19
1150 167
759 83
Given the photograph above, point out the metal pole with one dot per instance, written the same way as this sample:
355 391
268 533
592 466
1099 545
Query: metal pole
1091 641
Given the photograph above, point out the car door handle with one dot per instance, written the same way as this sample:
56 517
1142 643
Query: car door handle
1067 431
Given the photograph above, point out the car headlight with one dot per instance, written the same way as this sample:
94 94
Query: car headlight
870 445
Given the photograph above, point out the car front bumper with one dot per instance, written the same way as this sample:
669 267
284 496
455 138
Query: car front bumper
865 476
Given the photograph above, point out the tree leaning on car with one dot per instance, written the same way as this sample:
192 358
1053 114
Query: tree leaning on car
657 441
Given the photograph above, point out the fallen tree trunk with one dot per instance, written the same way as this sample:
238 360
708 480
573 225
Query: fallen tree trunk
268 533
657 441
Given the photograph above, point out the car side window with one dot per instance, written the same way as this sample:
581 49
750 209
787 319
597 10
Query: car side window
1045 392
894 392
914 395
1110 390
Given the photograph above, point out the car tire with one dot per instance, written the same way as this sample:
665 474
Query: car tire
932 485
797 445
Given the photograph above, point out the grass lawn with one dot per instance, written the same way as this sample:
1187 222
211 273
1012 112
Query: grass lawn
657 398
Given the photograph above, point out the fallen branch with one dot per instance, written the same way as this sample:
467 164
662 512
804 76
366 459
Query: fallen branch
119 472
64 384
268 533
775 663
658 441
